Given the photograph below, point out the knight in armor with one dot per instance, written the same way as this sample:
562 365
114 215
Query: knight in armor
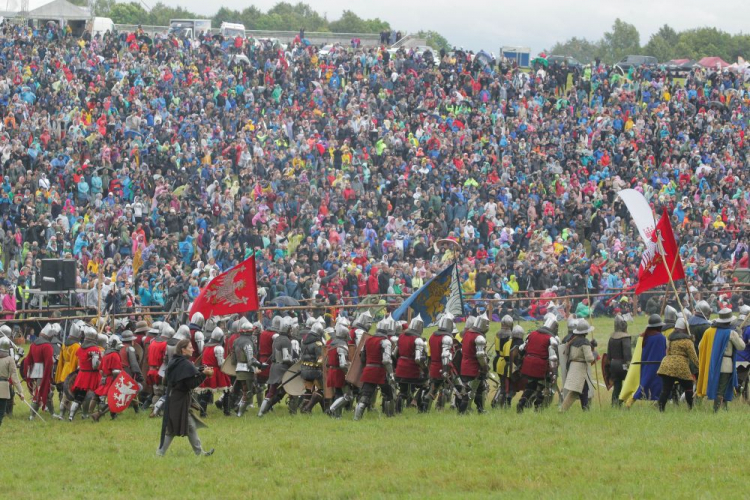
110 368
540 363
245 353
337 360
157 355
131 355
265 350
440 363
361 325
675 367
294 402
376 357
580 357
670 318
475 365
38 368
147 393
8 376
281 361
717 357
411 369
619 355
197 338
232 398
312 369
213 357
67 364
508 363
89 360
699 323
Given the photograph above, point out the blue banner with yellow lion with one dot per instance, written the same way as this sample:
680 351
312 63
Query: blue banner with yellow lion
441 294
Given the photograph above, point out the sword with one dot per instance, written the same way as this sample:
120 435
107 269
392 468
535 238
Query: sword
34 411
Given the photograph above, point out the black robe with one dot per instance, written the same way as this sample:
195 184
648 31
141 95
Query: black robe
181 378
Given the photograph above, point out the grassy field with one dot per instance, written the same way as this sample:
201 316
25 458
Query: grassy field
636 453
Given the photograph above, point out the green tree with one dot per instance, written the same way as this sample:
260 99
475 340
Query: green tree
623 40
662 44
435 40
128 13
702 42
581 49
160 14
352 23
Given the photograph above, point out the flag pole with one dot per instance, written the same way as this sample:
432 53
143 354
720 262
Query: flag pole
596 365
671 281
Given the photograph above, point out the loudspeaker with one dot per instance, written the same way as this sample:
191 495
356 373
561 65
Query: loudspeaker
58 275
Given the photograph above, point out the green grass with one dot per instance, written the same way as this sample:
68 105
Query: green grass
602 453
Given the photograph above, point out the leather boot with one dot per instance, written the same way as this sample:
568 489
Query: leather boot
314 399
203 401
227 404
717 403
35 407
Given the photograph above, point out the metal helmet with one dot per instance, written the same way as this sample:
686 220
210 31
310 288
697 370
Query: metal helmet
114 343
6 331
275 324
155 330
506 323
680 324
243 325
198 319
670 315
217 335
703 309
310 322
76 330
387 324
182 333
482 324
317 329
341 332
364 320
102 340
744 311
89 333
550 323
210 325
470 322
417 325
343 320
620 324
5 345
445 323
47 331
287 325
167 331
128 336
518 332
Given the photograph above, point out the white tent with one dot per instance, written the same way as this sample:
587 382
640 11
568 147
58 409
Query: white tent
60 9
12 8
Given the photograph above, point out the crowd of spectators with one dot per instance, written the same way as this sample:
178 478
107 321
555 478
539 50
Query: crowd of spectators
341 171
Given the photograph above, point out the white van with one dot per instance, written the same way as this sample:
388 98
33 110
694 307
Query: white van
231 30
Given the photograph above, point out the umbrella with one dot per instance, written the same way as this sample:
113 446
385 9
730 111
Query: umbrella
446 243
180 191
284 301
540 60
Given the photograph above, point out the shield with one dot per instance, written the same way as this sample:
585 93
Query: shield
122 392
355 369
292 382
229 366
605 371
562 355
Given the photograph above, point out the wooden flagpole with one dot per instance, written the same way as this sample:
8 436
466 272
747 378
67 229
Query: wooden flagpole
662 252
596 365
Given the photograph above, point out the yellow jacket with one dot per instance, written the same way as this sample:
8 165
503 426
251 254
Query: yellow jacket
68 362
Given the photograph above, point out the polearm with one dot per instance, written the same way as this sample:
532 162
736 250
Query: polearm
662 252
596 365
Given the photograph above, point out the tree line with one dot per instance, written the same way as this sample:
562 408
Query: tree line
666 44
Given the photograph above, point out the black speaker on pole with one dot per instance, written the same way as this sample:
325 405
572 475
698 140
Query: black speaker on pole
58 275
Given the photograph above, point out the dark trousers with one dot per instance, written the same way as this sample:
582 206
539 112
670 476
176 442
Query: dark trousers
667 386
368 391
616 390
3 405
534 391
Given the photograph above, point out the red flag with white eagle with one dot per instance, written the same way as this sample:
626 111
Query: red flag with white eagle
122 392
232 292
660 248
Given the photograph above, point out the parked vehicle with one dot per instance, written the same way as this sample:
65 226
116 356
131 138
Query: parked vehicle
569 61
189 28
232 30
628 62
